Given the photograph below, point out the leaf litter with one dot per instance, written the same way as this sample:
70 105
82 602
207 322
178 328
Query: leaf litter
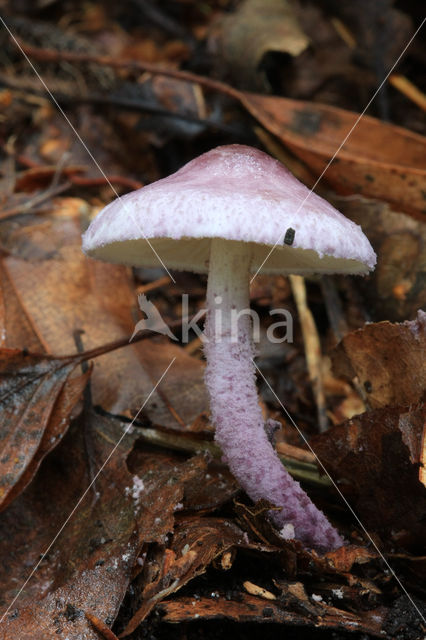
165 535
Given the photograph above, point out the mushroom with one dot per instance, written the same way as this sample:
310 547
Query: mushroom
222 214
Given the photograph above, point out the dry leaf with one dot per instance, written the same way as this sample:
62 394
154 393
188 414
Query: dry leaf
88 569
62 292
388 359
374 458
254 29
396 288
37 396
379 160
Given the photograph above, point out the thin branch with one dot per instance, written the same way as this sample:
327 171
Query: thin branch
50 55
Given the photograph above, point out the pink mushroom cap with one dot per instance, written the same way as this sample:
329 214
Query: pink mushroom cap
234 192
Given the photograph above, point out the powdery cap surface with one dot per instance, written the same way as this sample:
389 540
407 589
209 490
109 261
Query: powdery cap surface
237 193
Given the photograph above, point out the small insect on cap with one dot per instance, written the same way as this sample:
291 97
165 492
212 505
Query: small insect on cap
234 192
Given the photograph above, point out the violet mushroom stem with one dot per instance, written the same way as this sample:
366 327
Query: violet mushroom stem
231 382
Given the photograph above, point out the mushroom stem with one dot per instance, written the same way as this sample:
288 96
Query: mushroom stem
237 416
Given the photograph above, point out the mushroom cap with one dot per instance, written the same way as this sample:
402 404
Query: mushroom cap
237 193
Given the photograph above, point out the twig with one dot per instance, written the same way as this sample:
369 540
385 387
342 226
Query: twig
36 201
70 173
49 55
408 89
100 627
312 348
156 284
128 183
299 469
135 104
112 346
130 104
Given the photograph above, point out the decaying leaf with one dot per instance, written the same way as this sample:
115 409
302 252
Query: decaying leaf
375 459
37 396
88 569
388 359
196 543
379 160
160 537
396 288
62 292
254 29
89 566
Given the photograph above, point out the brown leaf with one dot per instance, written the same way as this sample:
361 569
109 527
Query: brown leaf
89 567
254 29
208 487
292 555
389 360
86 573
15 326
61 292
216 486
379 160
396 288
374 458
345 557
37 397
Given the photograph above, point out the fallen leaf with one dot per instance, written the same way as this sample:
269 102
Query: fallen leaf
374 458
89 567
61 292
255 28
292 555
41 177
379 160
388 359
215 487
344 558
15 326
395 289
37 396
87 571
